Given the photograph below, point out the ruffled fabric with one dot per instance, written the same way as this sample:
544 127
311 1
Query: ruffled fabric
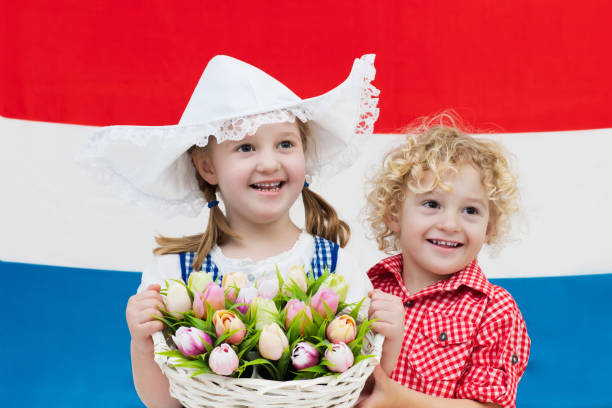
150 165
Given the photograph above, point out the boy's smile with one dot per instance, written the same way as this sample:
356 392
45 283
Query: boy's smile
441 231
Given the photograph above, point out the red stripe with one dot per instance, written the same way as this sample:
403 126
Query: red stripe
515 66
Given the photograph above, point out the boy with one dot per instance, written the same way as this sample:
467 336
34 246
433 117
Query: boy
452 339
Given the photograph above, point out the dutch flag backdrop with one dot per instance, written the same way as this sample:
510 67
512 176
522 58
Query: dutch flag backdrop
534 73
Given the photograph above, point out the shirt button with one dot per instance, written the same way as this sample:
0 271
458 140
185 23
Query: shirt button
514 359
443 336
251 278
409 303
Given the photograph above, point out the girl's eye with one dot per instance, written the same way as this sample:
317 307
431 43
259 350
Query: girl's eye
285 144
431 204
245 148
471 210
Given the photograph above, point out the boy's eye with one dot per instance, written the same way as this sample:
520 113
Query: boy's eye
471 210
431 204
287 144
245 148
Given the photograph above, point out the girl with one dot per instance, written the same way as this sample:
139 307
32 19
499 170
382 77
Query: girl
248 140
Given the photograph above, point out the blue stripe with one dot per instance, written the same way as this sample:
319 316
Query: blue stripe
81 339
184 274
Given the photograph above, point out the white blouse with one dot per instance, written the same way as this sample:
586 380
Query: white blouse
166 267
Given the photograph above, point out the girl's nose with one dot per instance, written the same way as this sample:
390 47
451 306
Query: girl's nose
268 162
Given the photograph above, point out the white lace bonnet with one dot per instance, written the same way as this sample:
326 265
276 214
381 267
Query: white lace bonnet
150 164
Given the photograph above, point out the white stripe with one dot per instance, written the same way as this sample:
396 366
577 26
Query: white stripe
52 214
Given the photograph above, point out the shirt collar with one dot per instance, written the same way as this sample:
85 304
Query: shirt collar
470 276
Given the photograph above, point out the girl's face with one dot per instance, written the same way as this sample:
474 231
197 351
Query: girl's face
260 176
440 232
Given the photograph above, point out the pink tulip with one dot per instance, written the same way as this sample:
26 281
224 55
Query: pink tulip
246 296
230 282
272 342
190 341
340 357
342 329
198 304
227 322
177 300
292 308
328 296
223 360
304 355
214 296
267 288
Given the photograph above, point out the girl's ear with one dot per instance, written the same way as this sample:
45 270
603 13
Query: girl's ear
203 165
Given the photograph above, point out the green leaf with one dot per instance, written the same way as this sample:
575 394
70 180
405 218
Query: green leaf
172 353
283 363
355 312
226 336
248 344
317 283
362 357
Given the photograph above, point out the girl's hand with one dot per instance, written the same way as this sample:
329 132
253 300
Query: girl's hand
138 314
389 310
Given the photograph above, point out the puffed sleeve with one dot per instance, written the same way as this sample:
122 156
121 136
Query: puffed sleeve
159 269
357 278
500 355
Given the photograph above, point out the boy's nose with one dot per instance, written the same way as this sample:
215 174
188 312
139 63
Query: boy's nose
448 222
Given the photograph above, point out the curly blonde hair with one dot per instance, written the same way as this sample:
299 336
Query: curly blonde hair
438 149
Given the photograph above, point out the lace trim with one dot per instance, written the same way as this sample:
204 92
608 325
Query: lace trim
236 129
365 118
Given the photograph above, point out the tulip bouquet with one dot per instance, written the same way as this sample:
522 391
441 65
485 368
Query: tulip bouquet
280 329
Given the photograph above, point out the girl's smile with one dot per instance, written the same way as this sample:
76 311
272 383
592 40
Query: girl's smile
260 176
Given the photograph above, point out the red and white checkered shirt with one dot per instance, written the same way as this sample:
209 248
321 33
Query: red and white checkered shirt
463 337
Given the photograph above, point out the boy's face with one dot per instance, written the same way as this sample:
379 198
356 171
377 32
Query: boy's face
440 232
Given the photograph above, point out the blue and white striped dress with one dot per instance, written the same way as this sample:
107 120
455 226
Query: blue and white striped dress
325 256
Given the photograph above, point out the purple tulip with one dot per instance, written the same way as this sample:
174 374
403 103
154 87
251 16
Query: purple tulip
246 296
223 360
190 341
304 355
340 357
328 296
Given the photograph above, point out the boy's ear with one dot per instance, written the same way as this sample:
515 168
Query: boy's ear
202 163
392 220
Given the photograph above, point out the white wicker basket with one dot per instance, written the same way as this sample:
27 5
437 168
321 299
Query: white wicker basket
209 390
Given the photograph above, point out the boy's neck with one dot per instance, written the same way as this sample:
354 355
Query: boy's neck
416 280
261 241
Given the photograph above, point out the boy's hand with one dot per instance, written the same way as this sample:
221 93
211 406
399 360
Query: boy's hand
379 391
138 314
389 310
